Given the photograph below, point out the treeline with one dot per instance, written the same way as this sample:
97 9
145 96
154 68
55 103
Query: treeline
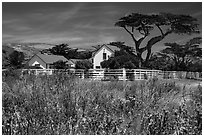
175 57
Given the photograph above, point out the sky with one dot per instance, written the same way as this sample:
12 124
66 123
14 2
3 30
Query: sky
83 24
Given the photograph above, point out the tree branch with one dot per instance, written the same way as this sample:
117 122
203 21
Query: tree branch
128 30
146 32
134 39
141 32
140 40
132 30
160 30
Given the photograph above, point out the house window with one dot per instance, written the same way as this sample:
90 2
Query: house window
104 56
37 65
98 67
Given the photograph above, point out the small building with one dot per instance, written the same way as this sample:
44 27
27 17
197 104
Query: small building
101 54
46 61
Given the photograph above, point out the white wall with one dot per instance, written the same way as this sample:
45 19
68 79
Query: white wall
98 58
36 62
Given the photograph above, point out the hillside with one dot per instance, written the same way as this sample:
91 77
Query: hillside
29 49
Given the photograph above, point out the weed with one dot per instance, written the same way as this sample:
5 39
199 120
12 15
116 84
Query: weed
63 104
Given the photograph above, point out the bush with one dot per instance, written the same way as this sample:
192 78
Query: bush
62 104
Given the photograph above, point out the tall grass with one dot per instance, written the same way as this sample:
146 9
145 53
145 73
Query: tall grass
63 104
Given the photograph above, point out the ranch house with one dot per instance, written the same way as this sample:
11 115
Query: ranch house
46 61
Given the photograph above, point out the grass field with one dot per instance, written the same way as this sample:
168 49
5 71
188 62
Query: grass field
60 104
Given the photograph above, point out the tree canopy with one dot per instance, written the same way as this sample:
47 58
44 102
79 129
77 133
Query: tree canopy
179 57
143 24
64 50
67 52
183 55
15 60
122 59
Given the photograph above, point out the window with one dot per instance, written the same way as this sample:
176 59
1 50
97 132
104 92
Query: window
104 56
98 67
37 65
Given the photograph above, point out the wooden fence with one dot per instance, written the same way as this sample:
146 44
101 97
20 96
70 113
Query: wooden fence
118 74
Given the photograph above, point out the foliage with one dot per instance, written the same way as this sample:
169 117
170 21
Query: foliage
83 54
69 53
182 57
63 50
62 104
160 63
14 60
144 24
60 65
6 50
124 49
122 59
195 66
10 76
85 64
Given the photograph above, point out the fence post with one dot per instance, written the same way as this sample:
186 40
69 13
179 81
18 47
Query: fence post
124 74
83 74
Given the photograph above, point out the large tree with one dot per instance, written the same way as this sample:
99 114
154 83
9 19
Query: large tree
63 50
69 53
143 24
184 56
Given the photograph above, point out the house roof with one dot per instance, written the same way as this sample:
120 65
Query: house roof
50 59
75 60
109 47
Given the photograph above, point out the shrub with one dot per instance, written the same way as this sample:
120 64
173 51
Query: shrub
63 104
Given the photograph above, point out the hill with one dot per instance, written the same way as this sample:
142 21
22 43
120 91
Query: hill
29 49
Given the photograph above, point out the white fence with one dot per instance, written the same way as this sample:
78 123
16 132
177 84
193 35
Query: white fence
118 74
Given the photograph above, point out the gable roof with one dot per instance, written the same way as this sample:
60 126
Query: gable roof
75 60
50 59
109 47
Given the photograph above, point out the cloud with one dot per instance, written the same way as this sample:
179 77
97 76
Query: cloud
55 17
90 41
51 39
43 38
15 26
78 24
93 26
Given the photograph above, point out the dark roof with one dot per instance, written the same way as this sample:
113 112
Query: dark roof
50 59
75 60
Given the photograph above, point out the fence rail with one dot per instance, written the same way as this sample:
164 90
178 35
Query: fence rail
117 74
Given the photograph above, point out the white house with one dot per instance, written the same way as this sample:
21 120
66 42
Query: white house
101 54
46 61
